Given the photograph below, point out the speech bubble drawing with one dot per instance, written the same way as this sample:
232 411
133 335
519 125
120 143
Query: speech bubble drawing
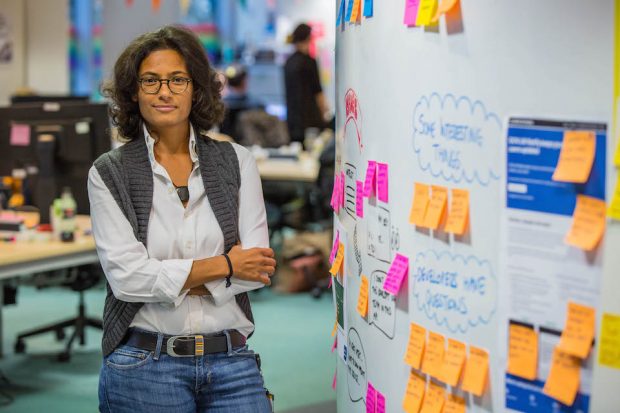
350 173
382 305
379 233
457 139
457 292
356 366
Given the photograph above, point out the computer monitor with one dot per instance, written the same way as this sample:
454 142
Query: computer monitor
27 99
55 143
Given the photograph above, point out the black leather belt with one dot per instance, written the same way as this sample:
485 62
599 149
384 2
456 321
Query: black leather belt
184 346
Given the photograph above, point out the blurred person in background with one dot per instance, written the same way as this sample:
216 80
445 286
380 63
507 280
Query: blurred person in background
236 100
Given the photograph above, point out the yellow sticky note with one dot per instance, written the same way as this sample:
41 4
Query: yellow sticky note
416 386
576 157
617 156
433 355
588 224
578 331
415 347
522 351
453 362
563 381
338 260
434 398
419 204
454 404
362 299
444 7
355 13
426 11
609 341
458 217
335 327
614 207
476 371
436 207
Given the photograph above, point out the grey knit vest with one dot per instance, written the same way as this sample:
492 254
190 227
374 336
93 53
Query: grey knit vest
127 173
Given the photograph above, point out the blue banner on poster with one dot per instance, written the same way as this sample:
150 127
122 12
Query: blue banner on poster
533 148
527 396
340 13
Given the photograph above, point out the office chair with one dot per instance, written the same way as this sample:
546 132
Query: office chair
77 279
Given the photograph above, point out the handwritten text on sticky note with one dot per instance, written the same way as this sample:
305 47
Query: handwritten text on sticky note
609 347
458 217
419 204
433 355
578 330
396 274
476 371
588 224
522 351
382 182
576 157
415 346
362 299
563 380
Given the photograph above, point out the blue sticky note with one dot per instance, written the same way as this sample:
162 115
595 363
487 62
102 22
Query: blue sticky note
349 11
340 13
367 8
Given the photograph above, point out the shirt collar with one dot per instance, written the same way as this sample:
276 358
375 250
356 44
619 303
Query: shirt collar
150 145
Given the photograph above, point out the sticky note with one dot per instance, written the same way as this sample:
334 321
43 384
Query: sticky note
454 404
370 180
411 12
444 7
434 398
359 199
419 204
588 224
433 355
476 371
614 207
368 8
458 216
380 402
355 13
382 182
335 328
578 330
415 346
609 341
397 272
362 299
20 135
617 154
453 361
338 260
426 11
371 398
436 207
334 381
522 351
563 380
332 255
335 345
416 387
340 13
347 17
335 201
576 156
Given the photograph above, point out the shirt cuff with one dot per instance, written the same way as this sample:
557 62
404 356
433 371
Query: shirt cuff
221 294
170 281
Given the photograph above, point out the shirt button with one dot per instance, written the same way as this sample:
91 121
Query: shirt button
170 190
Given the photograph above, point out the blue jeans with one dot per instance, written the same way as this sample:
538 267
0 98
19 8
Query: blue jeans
134 380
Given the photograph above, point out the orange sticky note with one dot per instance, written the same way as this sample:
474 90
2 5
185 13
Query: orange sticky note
434 398
426 11
576 157
453 362
458 217
476 371
355 13
454 404
362 299
588 223
563 381
444 7
416 386
578 330
338 260
335 328
415 347
436 207
433 355
419 204
522 351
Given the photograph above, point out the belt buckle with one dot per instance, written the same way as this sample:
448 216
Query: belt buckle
198 346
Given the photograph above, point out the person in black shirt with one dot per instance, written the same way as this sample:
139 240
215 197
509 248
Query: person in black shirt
306 104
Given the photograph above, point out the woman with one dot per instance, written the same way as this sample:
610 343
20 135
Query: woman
180 227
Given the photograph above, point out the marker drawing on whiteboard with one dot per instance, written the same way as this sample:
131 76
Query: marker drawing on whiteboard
381 305
356 366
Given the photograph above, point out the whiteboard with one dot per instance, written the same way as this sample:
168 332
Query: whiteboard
549 59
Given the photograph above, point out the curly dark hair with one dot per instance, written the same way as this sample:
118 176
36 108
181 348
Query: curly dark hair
207 107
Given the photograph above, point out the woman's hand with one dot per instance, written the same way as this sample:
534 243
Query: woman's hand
253 264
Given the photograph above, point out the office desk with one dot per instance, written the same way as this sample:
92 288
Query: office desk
24 258
305 169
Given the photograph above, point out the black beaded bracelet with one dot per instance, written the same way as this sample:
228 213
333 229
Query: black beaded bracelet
230 270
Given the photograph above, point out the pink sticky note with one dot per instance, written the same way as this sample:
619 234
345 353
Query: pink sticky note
397 272
411 12
334 381
382 182
380 403
369 182
359 198
332 255
330 282
335 343
334 201
20 135
371 399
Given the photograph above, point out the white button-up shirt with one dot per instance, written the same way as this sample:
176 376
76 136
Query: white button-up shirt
176 237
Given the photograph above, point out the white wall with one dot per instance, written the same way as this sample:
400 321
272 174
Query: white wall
12 74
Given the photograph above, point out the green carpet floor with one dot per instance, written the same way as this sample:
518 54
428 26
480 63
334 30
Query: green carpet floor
292 337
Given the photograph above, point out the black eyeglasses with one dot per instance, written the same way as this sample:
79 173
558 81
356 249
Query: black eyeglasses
152 85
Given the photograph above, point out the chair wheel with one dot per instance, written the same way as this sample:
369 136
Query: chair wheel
60 334
20 346
64 357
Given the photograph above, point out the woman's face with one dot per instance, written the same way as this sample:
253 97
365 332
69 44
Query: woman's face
164 109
